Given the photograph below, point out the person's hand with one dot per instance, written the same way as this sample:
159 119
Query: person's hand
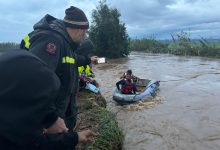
58 127
86 136
94 59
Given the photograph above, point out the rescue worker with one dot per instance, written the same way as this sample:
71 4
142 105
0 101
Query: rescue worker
28 91
55 42
127 85
85 49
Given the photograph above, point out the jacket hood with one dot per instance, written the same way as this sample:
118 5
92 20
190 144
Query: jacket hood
49 22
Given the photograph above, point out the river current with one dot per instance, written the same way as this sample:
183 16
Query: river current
185 114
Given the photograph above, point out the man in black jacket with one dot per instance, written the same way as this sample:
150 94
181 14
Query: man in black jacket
55 42
27 91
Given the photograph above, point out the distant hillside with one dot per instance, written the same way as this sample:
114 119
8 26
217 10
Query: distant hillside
8 45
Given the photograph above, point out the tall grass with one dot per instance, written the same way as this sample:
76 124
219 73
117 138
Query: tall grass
181 44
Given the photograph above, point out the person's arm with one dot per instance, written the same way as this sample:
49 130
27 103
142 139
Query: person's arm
121 82
123 76
48 48
134 88
58 126
64 140
117 85
135 78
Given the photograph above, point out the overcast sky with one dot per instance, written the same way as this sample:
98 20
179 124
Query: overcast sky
143 18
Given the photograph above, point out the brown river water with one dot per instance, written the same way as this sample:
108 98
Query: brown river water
185 114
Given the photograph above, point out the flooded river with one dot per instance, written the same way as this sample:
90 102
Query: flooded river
186 113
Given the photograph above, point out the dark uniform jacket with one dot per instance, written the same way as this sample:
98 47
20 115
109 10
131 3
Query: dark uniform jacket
28 87
51 42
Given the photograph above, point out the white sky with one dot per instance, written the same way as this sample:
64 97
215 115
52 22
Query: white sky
143 18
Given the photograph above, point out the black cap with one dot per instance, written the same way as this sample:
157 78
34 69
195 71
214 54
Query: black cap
75 18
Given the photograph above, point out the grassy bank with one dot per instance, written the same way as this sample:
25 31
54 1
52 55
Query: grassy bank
94 116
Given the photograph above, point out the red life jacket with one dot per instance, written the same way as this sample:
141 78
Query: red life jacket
127 88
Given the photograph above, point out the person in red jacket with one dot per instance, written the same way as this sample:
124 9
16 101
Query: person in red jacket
127 85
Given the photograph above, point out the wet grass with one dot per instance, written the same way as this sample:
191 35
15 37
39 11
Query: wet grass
109 134
94 116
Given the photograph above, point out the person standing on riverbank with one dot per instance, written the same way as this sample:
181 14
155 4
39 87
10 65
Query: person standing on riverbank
28 92
55 42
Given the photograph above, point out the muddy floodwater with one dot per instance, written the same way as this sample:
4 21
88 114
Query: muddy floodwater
185 115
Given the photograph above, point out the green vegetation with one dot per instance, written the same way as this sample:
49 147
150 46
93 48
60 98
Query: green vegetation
148 45
103 122
108 33
8 45
110 136
181 44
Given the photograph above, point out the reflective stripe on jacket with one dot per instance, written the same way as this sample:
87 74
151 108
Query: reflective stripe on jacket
87 70
66 67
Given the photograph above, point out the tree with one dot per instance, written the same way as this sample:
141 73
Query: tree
108 33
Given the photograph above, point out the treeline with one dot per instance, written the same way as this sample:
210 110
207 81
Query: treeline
181 44
8 45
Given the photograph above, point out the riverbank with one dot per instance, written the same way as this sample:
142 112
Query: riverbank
181 45
93 115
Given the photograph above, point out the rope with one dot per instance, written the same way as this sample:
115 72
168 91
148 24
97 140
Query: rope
172 80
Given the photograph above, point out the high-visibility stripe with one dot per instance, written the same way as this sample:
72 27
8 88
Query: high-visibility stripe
76 22
88 70
68 59
27 42
81 69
